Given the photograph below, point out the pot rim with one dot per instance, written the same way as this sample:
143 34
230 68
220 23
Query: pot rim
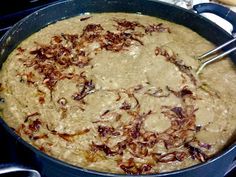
219 155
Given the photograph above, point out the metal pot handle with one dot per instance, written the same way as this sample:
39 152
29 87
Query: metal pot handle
11 168
222 11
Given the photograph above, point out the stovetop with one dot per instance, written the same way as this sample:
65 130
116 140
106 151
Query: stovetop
11 11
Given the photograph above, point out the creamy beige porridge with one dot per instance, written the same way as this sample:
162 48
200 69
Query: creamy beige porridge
118 93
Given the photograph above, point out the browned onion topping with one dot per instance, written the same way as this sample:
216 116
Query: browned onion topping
196 153
103 114
170 157
130 167
20 50
50 60
178 63
178 111
103 148
88 87
69 137
69 49
41 100
204 145
185 91
119 41
123 24
105 130
30 130
37 137
187 70
92 28
156 28
135 130
57 39
125 106
85 18
158 93
31 115
35 125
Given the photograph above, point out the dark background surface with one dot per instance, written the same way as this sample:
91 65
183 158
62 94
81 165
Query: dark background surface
12 11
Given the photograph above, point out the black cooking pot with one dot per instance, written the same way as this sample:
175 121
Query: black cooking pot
24 153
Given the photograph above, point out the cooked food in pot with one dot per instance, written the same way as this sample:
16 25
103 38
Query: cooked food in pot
117 92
